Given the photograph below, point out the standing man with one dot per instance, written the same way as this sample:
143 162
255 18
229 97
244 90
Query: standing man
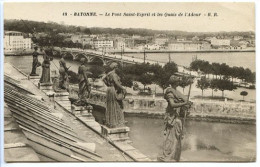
174 118
63 73
35 63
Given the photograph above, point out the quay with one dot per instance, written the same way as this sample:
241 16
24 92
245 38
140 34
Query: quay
201 110
51 129
179 51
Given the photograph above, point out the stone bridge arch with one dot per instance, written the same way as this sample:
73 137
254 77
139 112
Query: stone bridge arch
68 55
96 60
81 55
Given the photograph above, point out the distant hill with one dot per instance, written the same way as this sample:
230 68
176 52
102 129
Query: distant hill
27 26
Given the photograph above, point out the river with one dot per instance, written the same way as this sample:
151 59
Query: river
204 141
244 59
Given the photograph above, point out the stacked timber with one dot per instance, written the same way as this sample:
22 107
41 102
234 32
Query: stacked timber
47 134
16 148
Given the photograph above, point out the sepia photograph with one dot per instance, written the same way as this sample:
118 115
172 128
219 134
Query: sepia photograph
129 82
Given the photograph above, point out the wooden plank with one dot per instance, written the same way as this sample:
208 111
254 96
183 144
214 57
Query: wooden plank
63 148
53 154
41 129
14 145
24 100
58 139
27 97
37 114
37 120
18 86
40 125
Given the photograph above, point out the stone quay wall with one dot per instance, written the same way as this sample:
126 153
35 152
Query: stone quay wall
220 111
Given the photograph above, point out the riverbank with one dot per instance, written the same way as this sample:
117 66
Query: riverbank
179 51
19 53
201 110
207 118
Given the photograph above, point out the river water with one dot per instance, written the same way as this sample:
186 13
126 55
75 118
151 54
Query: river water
204 141
243 59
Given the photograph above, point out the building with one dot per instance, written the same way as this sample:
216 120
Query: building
15 41
220 42
195 38
86 40
180 38
152 47
238 37
205 45
189 46
76 38
103 43
140 41
161 41
129 43
119 43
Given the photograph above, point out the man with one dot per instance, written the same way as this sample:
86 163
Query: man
35 63
174 115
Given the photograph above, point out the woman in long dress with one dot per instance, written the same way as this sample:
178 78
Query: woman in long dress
114 98
63 73
84 84
173 122
35 63
47 57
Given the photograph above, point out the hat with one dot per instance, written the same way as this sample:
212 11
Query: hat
113 65
173 79
82 60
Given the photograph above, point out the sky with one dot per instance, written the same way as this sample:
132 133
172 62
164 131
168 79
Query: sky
236 16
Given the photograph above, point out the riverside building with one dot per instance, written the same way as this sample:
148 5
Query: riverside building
14 41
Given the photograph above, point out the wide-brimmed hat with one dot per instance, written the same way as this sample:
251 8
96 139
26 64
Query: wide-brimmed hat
174 79
113 65
83 60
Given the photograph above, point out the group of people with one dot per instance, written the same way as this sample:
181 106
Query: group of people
176 112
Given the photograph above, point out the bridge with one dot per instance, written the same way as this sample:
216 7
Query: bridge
99 56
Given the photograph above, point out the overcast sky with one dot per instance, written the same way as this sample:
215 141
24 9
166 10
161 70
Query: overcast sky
231 16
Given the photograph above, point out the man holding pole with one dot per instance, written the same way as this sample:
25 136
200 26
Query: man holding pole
174 120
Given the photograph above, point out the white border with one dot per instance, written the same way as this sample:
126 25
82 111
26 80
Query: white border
216 164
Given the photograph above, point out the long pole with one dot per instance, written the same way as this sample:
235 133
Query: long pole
144 54
121 54
185 113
